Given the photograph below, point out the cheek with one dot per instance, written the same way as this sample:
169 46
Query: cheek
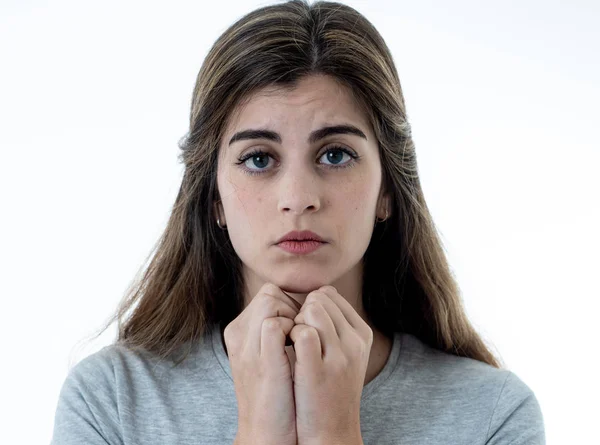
244 205
351 214
246 217
355 201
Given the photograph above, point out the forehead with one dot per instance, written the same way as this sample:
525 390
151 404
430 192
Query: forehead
314 100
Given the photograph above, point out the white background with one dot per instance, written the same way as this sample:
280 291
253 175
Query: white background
503 99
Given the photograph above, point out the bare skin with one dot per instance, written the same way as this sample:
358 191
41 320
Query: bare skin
296 188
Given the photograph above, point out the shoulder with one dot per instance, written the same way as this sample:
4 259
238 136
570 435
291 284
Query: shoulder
87 409
97 369
512 407
448 369
117 365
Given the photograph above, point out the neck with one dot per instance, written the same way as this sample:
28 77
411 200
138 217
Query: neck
378 357
380 353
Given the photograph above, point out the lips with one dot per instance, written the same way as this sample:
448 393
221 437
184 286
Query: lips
304 235
300 247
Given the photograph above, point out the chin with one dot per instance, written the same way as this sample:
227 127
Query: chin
299 284
299 288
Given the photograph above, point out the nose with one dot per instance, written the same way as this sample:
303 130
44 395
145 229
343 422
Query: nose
299 191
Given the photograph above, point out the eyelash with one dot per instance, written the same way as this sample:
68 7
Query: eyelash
259 152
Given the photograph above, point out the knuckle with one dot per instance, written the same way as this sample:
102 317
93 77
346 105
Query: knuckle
312 297
270 324
364 346
264 302
313 308
271 305
229 329
369 335
268 298
269 288
230 336
308 334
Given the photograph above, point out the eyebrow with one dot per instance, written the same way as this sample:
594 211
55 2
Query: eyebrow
315 136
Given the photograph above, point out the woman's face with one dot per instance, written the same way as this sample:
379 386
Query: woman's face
295 185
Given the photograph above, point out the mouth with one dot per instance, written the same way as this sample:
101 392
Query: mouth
301 235
300 247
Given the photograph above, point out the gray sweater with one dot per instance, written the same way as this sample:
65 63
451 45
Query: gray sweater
421 396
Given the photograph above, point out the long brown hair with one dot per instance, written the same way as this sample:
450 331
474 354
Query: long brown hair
193 280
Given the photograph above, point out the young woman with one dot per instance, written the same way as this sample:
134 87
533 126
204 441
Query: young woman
300 293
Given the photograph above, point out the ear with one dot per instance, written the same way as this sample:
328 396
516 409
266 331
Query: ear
384 203
217 209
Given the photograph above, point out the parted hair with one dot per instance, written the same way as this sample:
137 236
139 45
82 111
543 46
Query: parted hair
192 277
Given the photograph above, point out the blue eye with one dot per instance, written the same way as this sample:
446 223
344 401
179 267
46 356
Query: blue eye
260 159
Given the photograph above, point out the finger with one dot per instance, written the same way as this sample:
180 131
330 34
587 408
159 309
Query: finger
315 315
350 314
297 305
292 358
269 302
307 345
278 293
274 330
256 323
335 314
355 326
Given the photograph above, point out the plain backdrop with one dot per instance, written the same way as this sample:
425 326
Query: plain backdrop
503 99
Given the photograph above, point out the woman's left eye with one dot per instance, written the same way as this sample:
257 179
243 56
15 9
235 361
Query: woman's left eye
338 155
334 155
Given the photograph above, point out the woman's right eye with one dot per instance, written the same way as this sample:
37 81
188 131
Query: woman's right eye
258 158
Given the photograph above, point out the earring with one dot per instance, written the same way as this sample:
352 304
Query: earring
218 217
386 217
